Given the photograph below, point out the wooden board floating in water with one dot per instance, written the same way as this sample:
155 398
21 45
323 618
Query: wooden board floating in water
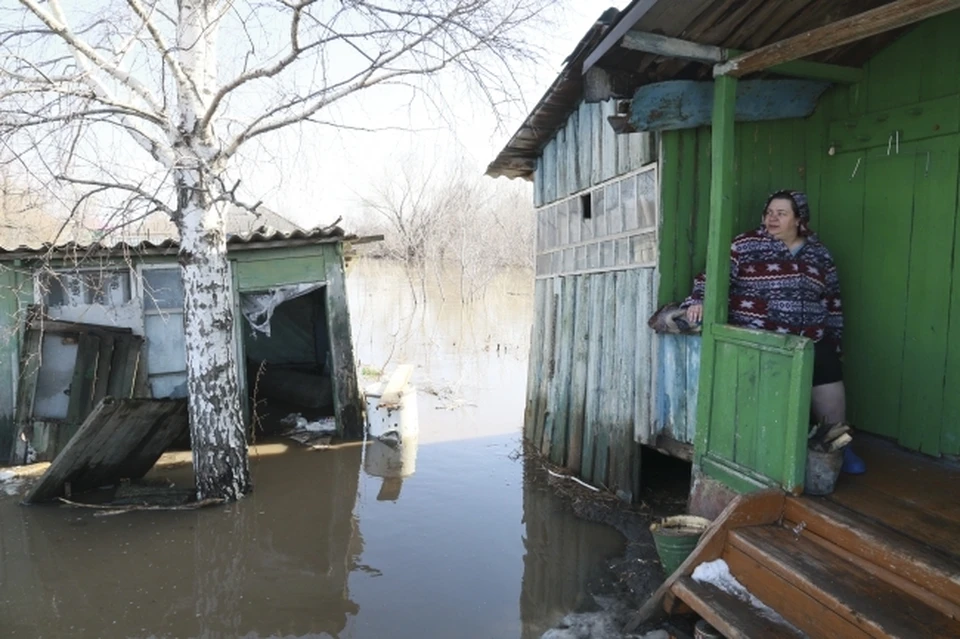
120 439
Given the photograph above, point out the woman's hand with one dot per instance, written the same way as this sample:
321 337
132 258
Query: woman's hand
695 313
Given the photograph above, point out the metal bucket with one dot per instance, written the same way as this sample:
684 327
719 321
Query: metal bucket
676 537
822 472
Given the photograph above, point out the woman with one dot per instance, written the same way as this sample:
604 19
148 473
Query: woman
783 279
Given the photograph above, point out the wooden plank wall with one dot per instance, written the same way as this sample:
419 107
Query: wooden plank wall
9 348
590 384
587 152
892 221
769 156
891 224
16 292
618 231
758 409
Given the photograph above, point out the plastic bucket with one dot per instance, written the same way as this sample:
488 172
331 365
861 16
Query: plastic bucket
822 472
676 537
703 630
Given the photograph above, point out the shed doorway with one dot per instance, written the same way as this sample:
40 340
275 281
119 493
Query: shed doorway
286 343
889 217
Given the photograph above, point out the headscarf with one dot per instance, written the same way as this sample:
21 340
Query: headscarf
799 199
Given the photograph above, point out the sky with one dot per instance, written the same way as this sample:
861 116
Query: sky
314 174
314 177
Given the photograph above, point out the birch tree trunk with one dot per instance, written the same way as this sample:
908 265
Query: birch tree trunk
216 423
73 71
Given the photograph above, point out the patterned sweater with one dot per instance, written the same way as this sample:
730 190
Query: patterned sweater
774 290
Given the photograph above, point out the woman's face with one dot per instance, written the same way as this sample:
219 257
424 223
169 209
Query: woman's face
780 220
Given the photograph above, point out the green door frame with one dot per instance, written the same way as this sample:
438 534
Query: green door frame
754 387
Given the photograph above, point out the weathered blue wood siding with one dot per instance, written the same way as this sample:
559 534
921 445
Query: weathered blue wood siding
590 384
678 373
586 153
687 104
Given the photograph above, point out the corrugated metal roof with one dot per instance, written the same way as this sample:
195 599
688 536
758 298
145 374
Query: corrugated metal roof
254 239
518 157
745 25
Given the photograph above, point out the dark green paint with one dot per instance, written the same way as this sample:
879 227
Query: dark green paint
891 222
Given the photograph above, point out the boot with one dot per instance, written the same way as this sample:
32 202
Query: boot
852 464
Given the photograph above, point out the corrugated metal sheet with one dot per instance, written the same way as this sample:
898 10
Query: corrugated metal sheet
253 239
742 25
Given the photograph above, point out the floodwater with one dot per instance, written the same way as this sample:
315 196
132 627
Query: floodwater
335 542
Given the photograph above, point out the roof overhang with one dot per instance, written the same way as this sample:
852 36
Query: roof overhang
720 30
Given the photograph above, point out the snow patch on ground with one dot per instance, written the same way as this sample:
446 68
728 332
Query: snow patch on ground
10 484
298 422
717 573
606 623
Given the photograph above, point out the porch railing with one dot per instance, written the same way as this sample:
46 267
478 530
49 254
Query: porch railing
754 408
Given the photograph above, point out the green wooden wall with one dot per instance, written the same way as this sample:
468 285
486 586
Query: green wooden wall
887 211
769 156
887 207
15 293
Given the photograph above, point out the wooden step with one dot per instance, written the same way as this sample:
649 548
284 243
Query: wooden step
896 557
734 618
867 605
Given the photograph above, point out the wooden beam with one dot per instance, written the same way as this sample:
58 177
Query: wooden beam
685 50
869 23
819 71
624 24
672 47
721 203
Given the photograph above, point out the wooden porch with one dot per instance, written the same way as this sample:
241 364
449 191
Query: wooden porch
878 558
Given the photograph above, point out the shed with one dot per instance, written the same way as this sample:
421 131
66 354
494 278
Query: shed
80 322
620 150
858 104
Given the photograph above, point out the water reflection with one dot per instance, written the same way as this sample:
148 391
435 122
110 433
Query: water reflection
441 537
392 462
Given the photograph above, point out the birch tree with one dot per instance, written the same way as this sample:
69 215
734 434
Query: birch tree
191 83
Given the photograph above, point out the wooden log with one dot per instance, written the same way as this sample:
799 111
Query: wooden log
863 25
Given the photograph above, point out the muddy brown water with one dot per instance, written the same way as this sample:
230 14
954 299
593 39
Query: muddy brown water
464 546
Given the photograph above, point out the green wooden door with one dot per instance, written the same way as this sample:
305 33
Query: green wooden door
890 218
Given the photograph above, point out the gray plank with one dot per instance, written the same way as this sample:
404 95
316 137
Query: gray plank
552 391
608 145
594 355
609 379
565 344
535 362
626 337
578 374
585 152
547 368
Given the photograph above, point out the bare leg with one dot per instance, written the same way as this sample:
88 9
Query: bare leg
830 403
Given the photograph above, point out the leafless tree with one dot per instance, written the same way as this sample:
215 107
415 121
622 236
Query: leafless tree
450 219
191 83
